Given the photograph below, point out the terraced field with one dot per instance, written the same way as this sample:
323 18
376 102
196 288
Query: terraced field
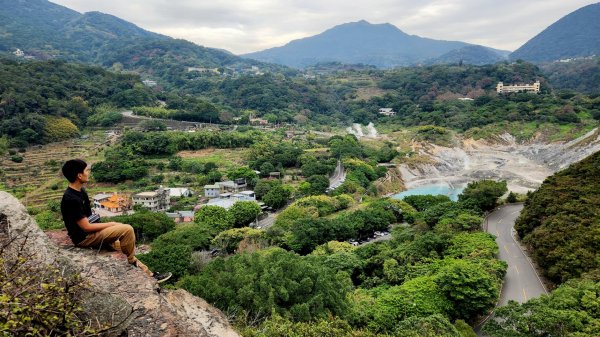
37 179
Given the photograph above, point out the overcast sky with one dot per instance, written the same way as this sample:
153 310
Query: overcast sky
243 26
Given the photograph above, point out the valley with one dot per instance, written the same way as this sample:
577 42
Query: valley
360 182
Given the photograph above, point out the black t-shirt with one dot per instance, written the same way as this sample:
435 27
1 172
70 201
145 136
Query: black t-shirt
75 206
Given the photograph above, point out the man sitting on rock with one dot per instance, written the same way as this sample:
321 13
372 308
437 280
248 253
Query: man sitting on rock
77 213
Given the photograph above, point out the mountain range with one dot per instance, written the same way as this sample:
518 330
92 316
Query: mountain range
46 30
382 45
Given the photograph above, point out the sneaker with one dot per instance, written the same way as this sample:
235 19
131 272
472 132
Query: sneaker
162 277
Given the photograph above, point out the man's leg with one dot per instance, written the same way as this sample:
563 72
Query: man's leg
122 233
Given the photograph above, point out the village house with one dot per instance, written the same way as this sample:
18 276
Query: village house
112 202
233 186
178 192
212 191
181 216
155 201
230 186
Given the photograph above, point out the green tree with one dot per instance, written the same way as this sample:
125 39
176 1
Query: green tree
244 212
263 186
173 258
243 172
229 240
460 223
419 297
270 282
318 184
195 236
469 288
483 194
477 245
423 202
277 197
431 326
153 125
3 145
147 225
570 310
214 217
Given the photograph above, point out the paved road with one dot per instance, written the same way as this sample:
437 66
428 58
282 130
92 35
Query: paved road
521 281
338 176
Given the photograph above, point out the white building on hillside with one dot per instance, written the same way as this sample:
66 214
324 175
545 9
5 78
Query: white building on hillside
503 89
155 201
387 112
178 192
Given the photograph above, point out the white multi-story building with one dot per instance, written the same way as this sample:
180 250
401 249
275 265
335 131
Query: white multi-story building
155 201
502 89
387 112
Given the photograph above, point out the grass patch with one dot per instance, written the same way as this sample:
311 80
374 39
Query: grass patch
223 158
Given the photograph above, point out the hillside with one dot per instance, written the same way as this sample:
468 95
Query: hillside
575 35
45 30
476 55
382 45
561 221
582 75
52 100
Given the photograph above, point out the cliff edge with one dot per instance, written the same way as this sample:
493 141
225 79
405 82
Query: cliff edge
120 300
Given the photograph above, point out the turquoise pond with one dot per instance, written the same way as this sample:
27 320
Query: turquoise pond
435 189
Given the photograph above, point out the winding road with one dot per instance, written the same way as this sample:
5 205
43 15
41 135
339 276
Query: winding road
338 176
521 281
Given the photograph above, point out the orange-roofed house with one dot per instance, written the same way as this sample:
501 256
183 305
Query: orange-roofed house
116 203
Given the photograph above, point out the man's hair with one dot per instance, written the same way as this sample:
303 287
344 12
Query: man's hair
72 168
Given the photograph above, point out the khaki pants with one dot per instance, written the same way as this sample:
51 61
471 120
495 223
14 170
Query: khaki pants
119 237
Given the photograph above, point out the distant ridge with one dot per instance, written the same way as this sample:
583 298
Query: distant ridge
382 45
45 30
475 55
49 30
575 35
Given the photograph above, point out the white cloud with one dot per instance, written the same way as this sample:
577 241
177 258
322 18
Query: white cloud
251 25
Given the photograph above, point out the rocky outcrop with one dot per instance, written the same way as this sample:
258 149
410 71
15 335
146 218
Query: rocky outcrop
122 299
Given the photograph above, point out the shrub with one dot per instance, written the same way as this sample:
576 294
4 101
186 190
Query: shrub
176 259
230 240
59 128
324 204
195 236
48 220
147 225
39 300
16 158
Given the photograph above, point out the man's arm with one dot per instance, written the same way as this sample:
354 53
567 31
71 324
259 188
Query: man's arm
88 227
